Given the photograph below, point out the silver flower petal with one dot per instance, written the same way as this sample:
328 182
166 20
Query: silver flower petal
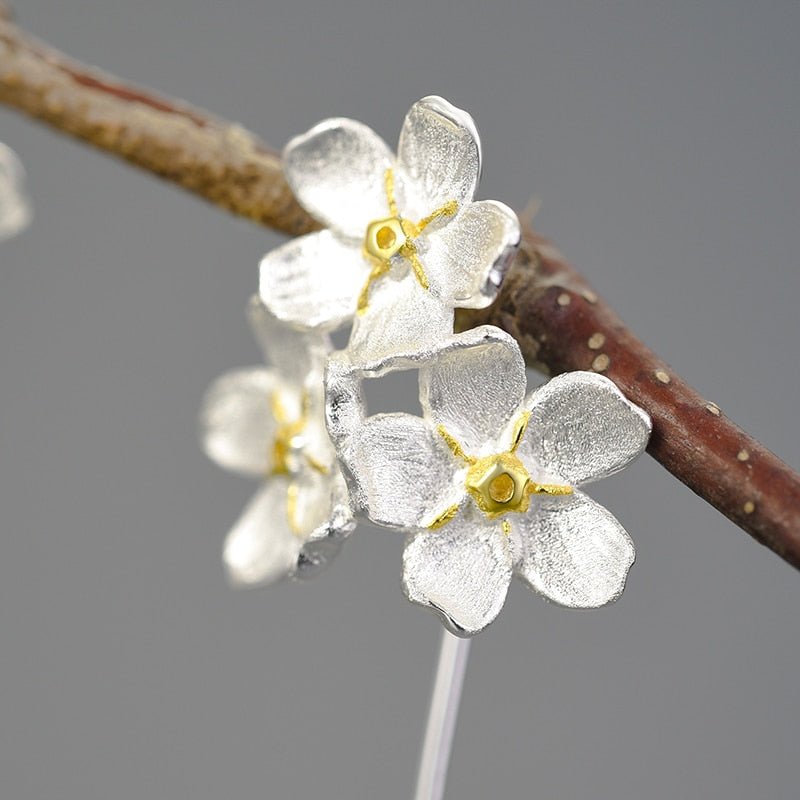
236 424
402 317
15 209
323 508
295 354
582 428
573 551
398 469
344 375
337 172
345 406
316 443
261 547
462 571
313 281
473 386
439 156
468 257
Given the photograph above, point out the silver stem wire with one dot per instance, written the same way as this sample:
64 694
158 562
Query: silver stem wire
442 717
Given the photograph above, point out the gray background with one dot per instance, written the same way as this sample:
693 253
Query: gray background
662 139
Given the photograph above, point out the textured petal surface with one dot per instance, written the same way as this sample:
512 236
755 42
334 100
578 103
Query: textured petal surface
398 469
337 171
439 156
313 281
582 428
462 571
468 257
323 509
295 354
313 499
236 423
317 445
573 551
15 210
401 318
345 406
261 547
474 386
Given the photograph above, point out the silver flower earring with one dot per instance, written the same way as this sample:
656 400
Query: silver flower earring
487 481
268 424
404 242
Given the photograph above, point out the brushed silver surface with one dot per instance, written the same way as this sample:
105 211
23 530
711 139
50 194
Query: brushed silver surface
338 170
403 474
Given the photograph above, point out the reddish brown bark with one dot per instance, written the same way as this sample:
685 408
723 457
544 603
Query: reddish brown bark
559 321
562 324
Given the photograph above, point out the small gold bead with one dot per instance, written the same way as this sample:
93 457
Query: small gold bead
713 408
385 237
564 299
601 363
749 507
501 488
743 455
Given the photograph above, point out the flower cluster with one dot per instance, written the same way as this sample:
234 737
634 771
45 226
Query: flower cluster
487 482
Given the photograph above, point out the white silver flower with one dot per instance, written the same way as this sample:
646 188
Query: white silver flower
15 210
269 424
486 481
404 242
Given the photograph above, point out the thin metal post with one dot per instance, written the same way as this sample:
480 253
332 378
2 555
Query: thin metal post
442 717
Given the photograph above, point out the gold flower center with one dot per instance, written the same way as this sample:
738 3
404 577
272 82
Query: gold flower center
384 239
287 441
499 483
395 236
288 454
501 488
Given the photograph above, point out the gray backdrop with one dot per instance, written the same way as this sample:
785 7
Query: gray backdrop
662 139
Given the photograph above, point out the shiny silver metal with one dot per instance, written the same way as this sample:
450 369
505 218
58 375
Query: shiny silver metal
15 209
269 424
440 249
442 717
480 429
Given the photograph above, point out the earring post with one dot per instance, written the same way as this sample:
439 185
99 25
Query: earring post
442 716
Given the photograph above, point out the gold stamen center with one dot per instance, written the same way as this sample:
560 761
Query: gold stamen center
384 238
288 453
501 488
498 483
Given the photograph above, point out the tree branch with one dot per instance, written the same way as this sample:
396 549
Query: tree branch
217 160
559 321
562 324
